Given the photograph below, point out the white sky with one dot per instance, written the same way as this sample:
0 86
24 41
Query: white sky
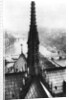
49 14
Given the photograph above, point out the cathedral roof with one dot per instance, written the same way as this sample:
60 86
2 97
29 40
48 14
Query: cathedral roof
22 56
20 62
35 90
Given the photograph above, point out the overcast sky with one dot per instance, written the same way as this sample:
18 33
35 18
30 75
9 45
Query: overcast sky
49 14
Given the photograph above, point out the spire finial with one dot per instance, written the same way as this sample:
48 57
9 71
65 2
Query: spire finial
21 48
33 16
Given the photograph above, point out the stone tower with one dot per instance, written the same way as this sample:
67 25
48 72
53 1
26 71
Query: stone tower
33 44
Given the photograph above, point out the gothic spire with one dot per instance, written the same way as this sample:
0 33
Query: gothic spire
33 34
33 16
33 44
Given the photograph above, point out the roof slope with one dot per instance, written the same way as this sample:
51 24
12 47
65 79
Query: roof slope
35 90
20 63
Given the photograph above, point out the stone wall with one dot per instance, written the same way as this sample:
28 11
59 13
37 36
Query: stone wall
13 85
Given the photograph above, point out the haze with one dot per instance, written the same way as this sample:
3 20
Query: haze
49 14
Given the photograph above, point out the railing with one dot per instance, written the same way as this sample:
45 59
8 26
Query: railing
46 90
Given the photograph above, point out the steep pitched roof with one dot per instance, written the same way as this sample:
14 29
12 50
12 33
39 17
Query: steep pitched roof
35 90
22 55
20 62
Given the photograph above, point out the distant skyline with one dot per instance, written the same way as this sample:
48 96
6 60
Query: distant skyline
49 14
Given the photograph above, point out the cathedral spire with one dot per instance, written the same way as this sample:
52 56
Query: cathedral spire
33 16
33 34
33 44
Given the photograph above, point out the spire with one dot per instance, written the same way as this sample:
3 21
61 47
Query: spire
33 19
33 34
33 44
21 48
